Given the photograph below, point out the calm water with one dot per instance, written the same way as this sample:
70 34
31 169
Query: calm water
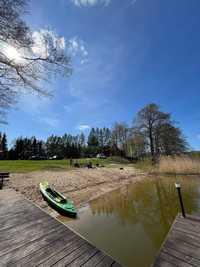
131 223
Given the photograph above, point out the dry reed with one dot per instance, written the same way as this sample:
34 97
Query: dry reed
179 165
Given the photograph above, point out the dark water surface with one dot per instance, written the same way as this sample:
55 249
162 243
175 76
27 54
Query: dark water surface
131 223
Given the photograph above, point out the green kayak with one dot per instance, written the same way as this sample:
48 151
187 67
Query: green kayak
57 201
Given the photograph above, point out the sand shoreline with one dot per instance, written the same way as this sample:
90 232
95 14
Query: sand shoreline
82 185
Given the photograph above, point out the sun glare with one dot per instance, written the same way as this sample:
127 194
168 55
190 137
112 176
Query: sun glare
12 53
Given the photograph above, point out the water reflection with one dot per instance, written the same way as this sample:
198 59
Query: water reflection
134 220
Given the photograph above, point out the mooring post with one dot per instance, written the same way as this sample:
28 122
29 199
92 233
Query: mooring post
178 187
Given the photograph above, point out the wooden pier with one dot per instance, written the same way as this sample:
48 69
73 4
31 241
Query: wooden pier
31 237
182 245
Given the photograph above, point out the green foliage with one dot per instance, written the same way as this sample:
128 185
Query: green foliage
26 148
3 146
99 141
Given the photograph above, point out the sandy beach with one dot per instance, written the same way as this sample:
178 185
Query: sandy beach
81 185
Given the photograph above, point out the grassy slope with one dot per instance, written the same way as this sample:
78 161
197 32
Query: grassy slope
36 165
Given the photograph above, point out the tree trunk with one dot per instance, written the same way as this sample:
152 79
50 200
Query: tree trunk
151 145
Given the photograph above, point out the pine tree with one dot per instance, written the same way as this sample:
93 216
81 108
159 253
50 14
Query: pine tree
93 144
1 149
4 146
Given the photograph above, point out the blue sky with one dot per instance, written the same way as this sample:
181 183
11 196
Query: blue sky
126 54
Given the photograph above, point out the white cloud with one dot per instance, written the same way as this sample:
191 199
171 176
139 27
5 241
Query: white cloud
85 3
90 2
76 47
46 40
83 127
43 40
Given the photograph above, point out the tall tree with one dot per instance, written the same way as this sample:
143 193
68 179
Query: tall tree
26 148
136 145
54 146
93 142
158 129
119 137
171 140
4 146
148 120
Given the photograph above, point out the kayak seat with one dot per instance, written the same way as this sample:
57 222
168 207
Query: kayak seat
55 195
57 199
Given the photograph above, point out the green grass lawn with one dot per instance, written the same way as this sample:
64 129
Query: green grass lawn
32 165
36 165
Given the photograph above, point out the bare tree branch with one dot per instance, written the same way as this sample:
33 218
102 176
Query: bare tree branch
26 57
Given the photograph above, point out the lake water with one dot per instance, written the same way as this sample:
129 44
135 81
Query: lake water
131 223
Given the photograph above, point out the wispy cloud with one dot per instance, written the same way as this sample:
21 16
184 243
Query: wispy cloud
83 127
84 3
41 46
77 47
98 75
91 3
49 121
33 104
73 47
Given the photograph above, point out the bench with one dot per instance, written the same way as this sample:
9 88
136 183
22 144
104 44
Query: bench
4 176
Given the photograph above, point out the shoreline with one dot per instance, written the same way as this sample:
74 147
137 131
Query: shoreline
81 185
111 188
173 173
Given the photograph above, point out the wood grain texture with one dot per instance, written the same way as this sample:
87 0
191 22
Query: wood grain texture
182 245
31 237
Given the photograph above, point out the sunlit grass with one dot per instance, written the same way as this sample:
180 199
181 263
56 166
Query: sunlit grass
37 165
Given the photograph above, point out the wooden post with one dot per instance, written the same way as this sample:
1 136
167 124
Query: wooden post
178 187
1 184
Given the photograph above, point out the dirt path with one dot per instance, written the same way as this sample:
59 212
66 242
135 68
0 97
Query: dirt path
81 184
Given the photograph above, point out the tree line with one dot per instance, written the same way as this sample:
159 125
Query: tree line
152 133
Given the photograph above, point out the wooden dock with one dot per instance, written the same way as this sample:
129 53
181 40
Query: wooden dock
31 237
182 245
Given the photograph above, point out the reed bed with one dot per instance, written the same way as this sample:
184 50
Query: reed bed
178 165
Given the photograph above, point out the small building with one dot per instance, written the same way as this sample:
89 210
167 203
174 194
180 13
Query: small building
100 156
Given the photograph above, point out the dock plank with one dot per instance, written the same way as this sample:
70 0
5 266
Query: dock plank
94 260
182 245
31 237
32 233
76 253
84 257
106 262
181 256
46 247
